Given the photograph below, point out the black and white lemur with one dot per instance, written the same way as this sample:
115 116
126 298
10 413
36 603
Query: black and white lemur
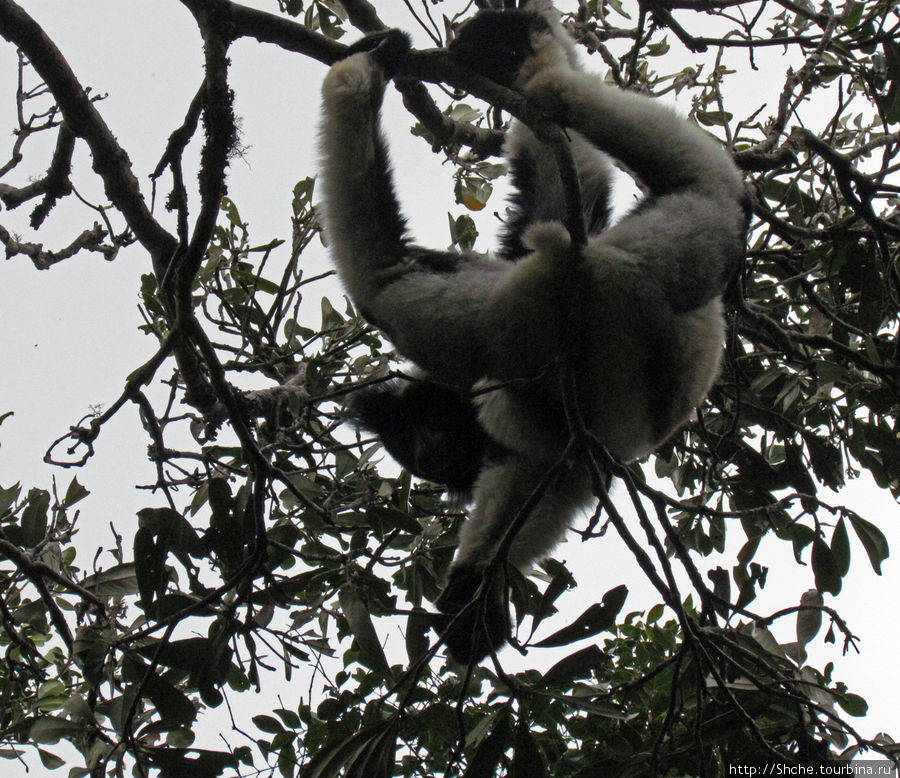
486 417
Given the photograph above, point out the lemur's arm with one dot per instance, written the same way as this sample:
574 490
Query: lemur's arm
459 316
666 152
688 235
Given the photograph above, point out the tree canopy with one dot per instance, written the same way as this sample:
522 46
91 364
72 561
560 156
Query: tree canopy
277 548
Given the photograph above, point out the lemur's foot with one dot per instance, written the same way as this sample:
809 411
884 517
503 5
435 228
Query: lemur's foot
475 628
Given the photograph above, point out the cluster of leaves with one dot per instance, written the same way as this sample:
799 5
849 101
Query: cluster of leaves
296 555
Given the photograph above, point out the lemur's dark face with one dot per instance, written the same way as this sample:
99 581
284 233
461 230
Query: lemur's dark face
496 43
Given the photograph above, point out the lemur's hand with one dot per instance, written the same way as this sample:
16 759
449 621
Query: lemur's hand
496 43
472 628
388 48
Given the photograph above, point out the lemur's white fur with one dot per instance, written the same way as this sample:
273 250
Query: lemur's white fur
649 305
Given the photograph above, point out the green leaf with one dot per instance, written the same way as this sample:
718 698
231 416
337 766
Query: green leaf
355 752
619 8
50 761
149 558
303 192
229 209
385 518
181 762
853 15
89 653
527 761
74 493
599 617
287 760
289 717
268 724
51 695
463 232
825 568
34 517
561 581
714 118
655 613
809 621
172 704
360 621
331 319
51 729
191 654
873 540
250 279
801 536
461 112
8 496
118 581
840 547
578 665
852 704
485 762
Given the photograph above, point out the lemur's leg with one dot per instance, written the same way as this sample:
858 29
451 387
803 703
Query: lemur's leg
502 493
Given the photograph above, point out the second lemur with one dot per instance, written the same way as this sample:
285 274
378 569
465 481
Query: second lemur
487 416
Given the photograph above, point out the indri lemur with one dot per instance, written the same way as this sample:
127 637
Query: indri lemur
487 415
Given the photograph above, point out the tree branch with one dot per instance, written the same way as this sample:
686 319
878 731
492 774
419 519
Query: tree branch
109 159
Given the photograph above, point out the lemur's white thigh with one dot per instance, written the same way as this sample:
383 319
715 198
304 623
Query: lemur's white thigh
503 490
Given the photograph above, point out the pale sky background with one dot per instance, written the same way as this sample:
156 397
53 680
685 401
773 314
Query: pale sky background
69 334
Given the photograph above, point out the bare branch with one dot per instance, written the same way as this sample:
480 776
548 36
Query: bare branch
53 185
110 160
90 240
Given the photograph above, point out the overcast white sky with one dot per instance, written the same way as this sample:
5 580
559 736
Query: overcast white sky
68 337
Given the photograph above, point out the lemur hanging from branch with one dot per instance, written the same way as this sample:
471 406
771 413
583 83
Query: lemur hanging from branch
494 335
